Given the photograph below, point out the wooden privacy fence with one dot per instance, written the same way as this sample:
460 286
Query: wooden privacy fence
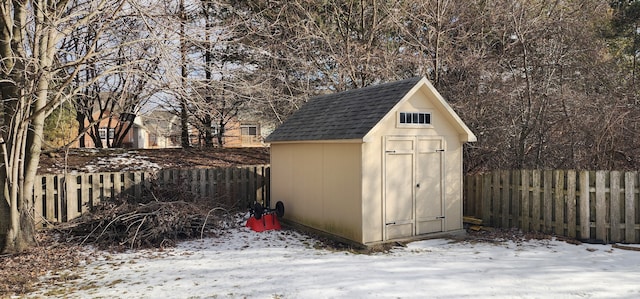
601 206
63 197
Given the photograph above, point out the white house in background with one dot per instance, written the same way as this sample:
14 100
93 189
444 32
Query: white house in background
162 129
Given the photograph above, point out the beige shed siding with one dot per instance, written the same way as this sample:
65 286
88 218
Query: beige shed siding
325 194
373 154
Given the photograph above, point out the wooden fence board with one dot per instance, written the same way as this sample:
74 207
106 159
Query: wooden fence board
51 199
585 230
38 204
601 229
59 198
547 200
504 198
71 196
614 219
589 205
571 203
558 198
515 195
526 213
536 223
630 179
478 194
84 193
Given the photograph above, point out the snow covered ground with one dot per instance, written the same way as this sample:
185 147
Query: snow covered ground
287 264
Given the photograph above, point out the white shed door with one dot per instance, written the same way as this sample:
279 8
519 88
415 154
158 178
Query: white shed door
429 186
413 201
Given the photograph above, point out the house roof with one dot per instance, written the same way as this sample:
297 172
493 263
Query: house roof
354 113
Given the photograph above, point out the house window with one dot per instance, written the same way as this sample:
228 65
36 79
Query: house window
103 133
250 130
418 118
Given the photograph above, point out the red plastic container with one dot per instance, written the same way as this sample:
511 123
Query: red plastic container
266 222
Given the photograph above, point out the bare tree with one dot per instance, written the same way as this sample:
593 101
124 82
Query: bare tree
32 84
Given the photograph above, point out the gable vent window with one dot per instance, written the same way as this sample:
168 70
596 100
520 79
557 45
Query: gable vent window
420 118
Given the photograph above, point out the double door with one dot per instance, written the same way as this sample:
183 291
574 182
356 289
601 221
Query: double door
413 202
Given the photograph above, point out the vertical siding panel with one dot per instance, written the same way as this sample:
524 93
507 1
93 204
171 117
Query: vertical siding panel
526 211
547 200
536 201
630 179
559 202
601 207
584 205
614 219
571 204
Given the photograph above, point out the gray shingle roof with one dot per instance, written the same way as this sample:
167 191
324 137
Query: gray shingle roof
345 115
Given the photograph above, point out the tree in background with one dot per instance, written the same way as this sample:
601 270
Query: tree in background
625 41
33 83
54 53
60 127
121 66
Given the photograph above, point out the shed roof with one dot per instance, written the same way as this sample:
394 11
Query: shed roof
344 115
354 113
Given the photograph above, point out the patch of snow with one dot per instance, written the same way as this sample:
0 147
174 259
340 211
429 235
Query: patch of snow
123 162
286 264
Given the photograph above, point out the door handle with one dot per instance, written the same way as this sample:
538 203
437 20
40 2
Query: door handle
391 223
418 185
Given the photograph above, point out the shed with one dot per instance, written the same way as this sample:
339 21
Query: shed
372 165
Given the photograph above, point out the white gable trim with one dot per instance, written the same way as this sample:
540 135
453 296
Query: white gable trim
465 133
